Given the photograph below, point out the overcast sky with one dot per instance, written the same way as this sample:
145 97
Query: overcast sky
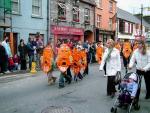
133 6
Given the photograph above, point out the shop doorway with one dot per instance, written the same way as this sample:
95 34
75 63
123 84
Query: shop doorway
88 36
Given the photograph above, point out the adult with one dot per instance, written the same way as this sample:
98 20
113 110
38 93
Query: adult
6 45
22 48
142 59
40 46
2 59
113 64
30 51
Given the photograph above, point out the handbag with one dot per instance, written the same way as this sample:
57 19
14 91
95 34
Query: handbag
118 78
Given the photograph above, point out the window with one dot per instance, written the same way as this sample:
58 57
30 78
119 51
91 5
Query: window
87 16
121 26
16 6
110 6
110 24
99 3
75 12
37 7
99 21
61 10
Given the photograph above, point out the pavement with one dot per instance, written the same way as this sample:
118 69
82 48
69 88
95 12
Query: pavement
30 93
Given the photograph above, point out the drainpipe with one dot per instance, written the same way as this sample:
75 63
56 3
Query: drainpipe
48 20
94 24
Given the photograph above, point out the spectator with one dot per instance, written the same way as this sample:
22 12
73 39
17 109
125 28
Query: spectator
113 64
30 51
141 57
6 45
16 61
2 59
22 48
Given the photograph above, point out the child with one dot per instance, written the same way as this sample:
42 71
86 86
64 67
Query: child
131 85
16 61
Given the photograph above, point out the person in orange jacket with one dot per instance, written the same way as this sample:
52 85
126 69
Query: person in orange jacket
63 61
76 65
47 63
126 53
99 52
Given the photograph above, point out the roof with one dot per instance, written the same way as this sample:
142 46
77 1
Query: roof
91 2
122 14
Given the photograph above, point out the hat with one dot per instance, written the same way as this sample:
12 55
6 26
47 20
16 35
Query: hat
133 76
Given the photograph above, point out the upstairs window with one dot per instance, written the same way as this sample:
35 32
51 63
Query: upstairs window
37 7
61 10
110 6
75 12
16 6
87 16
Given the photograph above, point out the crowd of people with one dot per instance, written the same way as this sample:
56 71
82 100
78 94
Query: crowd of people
26 52
73 58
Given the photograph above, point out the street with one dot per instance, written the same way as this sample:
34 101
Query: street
31 94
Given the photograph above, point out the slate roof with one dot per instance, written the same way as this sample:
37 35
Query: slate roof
122 14
91 2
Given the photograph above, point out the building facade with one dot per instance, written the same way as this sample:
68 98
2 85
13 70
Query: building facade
72 20
105 19
29 18
129 26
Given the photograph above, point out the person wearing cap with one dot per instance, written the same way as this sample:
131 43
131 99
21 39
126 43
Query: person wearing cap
141 56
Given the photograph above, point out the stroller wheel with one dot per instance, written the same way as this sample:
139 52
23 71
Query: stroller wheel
137 107
113 110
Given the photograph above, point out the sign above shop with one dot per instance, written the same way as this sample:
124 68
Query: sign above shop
67 30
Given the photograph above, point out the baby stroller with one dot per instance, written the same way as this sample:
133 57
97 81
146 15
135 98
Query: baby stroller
124 97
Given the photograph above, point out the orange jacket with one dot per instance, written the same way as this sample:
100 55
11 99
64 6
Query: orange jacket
76 65
127 49
99 54
64 57
47 59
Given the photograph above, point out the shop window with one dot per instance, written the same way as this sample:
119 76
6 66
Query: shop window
61 10
87 16
75 12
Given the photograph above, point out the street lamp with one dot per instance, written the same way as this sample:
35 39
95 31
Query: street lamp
142 9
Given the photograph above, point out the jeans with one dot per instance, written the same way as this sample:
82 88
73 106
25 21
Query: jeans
31 59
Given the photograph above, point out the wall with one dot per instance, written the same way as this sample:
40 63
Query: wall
105 14
24 23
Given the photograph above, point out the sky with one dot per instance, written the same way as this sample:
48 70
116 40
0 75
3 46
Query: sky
133 6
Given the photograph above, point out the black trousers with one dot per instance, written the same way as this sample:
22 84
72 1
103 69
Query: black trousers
23 64
111 85
147 81
2 67
86 71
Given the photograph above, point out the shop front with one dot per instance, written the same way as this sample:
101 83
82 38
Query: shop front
62 33
104 35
